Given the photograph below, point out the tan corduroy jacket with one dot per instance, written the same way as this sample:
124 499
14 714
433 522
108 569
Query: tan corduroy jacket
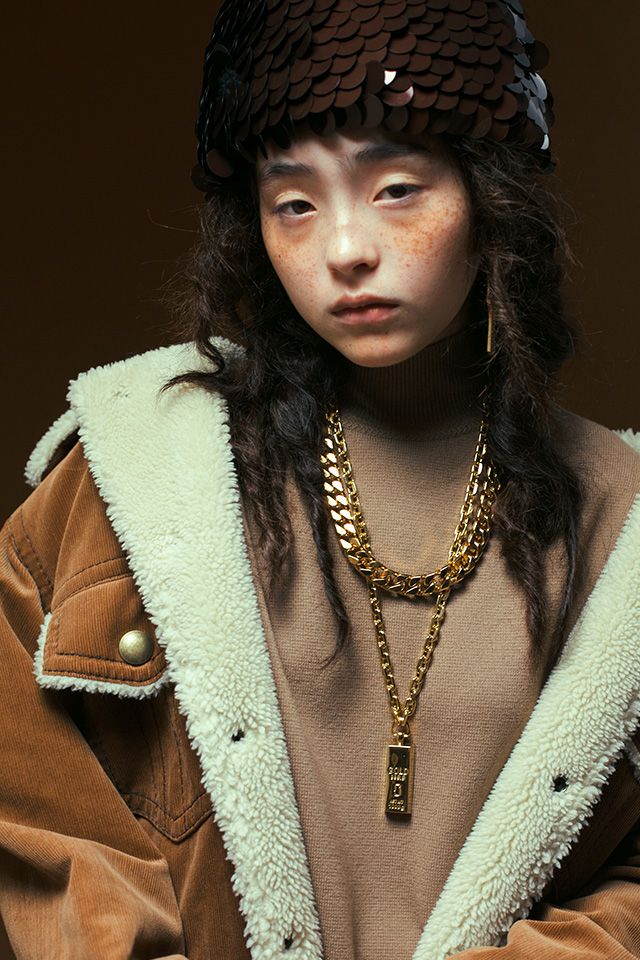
147 807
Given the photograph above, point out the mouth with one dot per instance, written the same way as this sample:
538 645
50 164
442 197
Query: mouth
364 309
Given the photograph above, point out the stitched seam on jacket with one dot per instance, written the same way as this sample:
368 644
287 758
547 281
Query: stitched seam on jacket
39 563
103 757
91 566
150 754
95 583
170 715
128 681
95 741
165 813
23 563
162 825
95 738
54 630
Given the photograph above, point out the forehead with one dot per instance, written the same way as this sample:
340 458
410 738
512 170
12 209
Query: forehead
345 147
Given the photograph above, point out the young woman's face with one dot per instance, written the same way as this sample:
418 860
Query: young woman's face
370 236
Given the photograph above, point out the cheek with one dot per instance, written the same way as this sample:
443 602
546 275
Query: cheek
439 238
293 262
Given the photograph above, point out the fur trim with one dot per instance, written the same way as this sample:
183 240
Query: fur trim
584 717
178 519
632 752
44 450
631 437
59 681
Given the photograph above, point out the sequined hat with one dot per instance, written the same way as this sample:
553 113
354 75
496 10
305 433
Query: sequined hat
438 66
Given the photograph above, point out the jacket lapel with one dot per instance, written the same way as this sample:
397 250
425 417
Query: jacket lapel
163 465
580 726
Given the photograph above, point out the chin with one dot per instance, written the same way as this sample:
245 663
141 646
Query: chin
379 351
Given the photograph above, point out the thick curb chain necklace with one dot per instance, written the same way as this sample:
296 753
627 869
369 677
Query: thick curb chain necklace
469 541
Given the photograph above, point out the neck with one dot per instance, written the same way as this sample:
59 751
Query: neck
437 391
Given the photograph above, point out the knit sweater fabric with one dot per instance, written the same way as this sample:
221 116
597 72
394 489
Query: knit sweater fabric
411 431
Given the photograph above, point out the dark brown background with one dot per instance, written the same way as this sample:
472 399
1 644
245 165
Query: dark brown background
99 205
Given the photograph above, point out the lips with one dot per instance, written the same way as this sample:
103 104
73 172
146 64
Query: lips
362 303
365 311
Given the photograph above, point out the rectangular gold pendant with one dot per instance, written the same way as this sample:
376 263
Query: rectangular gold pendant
399 780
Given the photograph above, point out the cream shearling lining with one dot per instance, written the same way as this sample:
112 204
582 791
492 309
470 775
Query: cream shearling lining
583 719
178 519
42 453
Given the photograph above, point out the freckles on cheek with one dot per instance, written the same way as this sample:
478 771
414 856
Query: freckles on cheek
277 250
273 245
415 241
444 230
293 264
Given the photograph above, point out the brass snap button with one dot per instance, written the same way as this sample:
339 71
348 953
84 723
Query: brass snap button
136 647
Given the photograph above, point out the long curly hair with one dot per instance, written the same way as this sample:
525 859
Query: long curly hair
278 388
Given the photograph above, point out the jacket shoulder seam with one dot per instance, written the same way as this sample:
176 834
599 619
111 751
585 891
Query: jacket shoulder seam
23 563
40 565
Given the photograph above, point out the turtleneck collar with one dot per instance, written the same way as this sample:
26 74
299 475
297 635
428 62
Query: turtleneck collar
435 392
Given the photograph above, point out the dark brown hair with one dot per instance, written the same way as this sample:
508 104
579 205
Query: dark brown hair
278 388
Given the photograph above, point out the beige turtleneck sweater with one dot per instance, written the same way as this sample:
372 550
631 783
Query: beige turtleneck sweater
411 431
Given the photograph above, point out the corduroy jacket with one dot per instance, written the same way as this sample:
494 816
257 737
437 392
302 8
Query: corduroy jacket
147 807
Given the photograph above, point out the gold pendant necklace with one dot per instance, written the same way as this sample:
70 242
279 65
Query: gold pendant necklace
470 539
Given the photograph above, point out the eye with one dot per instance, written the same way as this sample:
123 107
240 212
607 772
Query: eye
399 191
293 208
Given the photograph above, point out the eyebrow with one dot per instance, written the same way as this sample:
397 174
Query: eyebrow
366 156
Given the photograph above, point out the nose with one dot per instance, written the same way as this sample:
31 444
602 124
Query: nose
352 248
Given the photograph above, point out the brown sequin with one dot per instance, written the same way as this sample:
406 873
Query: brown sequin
451 66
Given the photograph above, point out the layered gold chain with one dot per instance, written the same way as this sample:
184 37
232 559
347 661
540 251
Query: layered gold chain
469 541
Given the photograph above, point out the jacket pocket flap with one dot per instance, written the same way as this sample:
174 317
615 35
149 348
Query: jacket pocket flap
99 638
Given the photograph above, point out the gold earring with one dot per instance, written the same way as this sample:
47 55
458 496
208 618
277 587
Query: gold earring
489 328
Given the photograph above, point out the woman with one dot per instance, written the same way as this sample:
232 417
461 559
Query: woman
231 537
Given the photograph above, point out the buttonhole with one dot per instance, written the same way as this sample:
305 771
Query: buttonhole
559 784
238 735
288 942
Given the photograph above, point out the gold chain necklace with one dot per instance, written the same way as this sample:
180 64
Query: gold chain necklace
469 541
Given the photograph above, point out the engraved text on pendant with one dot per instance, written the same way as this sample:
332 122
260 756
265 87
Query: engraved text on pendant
399 780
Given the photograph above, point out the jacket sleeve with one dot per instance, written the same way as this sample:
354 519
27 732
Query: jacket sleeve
601 923
79 877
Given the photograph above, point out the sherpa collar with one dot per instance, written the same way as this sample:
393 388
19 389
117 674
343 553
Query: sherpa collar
163 465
